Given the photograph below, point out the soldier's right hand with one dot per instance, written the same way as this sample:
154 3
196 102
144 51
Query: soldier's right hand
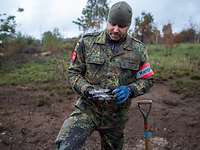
98 94
87 93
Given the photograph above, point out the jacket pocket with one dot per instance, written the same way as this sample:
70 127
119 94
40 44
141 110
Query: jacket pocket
127 64
94 67
95 60
128 72
94 63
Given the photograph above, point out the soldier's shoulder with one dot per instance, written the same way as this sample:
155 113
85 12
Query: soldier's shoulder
136 40
90 35
137 44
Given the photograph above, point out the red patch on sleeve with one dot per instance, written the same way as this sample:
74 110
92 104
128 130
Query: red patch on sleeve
74 55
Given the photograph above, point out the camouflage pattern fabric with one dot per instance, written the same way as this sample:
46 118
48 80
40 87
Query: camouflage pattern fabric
81 124
100 64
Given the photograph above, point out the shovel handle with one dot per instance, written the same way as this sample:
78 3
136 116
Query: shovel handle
145 113
144 102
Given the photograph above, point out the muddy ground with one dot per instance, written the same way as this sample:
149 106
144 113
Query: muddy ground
31 116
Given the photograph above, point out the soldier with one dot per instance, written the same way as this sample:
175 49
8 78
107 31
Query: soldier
107 70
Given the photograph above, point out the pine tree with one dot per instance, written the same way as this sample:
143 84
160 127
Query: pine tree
93 15
144 27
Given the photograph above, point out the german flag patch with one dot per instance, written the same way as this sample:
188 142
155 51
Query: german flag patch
73 56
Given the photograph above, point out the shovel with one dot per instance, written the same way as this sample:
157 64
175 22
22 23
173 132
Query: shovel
145 108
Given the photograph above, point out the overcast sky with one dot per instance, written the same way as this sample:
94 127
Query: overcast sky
43 15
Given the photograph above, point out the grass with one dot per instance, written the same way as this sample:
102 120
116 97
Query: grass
31 72
182 60
181 63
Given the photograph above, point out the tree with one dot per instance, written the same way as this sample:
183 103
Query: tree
168 37
198 35
190 34
156 37
51 41
7 25
93 15
144 26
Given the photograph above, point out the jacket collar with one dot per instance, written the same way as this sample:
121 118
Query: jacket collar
128 44
101 39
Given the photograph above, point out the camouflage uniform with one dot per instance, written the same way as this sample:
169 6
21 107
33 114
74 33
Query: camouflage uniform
102 64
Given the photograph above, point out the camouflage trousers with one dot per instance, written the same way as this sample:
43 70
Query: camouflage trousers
80 125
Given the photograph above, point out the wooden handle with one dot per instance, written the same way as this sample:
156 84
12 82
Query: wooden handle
146 101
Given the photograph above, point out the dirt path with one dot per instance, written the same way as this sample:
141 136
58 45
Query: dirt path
30 118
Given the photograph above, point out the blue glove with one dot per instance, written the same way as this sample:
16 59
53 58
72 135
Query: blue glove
122 94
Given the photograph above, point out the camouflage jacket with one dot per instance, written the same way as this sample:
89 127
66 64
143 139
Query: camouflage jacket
94 64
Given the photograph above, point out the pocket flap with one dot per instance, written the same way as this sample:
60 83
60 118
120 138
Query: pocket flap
129 65
96 60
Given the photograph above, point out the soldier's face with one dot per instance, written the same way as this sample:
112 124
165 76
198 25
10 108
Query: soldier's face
116 32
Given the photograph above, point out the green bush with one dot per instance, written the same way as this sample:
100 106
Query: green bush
52 41
20 44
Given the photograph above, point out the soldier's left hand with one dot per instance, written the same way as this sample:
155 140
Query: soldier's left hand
122 94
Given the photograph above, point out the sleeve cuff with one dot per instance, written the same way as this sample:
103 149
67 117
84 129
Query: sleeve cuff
132 90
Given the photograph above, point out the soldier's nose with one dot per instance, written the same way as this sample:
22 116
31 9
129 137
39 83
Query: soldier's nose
116 28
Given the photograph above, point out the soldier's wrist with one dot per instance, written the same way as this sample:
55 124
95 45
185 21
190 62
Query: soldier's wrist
132 89
84 88
88 89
